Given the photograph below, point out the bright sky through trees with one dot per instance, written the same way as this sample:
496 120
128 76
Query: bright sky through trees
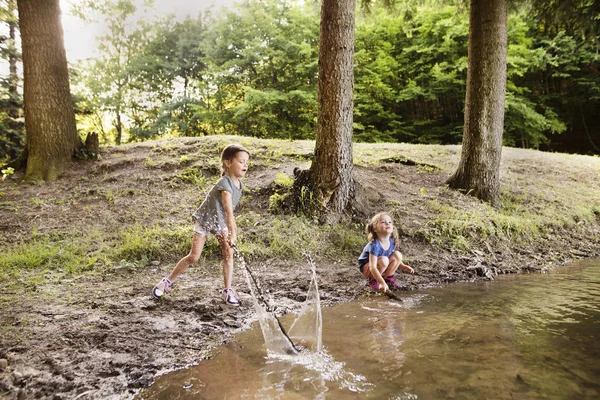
80 39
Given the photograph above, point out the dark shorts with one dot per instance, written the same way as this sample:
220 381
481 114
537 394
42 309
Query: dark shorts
361 265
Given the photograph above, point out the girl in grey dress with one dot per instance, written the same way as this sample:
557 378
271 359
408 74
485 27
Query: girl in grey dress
215 216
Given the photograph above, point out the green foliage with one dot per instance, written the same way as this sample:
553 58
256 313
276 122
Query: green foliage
192 175
7 172
284 180
463 228
411 81
265 69
252 70
12 134
50 253
277 202
107 84
150 243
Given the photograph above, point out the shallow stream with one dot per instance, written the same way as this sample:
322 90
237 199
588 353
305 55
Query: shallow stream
518 337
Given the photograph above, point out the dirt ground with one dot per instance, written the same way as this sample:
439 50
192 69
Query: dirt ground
101 336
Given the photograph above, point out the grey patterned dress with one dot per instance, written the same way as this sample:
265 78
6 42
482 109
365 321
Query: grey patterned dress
210 217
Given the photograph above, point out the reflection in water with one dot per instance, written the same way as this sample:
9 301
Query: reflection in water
521 337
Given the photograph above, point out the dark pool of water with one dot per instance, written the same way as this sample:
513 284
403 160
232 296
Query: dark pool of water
518 337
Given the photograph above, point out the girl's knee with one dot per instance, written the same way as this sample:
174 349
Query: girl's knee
193 258
383 261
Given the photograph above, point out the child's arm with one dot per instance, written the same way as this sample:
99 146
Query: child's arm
376 274
229 217
401 265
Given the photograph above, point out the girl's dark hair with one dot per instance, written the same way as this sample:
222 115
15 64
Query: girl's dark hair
370 228
229 153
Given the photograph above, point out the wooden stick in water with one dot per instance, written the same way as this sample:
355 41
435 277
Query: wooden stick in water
393 296
260 295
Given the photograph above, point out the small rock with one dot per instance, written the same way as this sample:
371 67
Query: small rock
3 363
17 378
155 263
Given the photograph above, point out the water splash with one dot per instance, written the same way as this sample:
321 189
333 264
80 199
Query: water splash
308 326
276 338
320 368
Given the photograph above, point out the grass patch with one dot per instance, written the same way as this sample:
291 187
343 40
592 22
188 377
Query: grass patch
192 175
142 244
66 254
58 253
288 237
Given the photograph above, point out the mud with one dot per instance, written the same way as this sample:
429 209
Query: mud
101 336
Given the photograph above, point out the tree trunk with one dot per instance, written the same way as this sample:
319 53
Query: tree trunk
51 134
331 170
479 169
118 125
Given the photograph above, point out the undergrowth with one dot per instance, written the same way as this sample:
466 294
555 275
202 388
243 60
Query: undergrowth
535 202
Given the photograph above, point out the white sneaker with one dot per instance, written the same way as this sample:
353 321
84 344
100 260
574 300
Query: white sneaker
161 288
230 297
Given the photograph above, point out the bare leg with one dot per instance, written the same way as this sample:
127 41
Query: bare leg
395 261
227 263
382 265
197 245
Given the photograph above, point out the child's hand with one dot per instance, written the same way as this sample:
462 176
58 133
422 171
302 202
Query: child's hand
232 239
384 288
408 269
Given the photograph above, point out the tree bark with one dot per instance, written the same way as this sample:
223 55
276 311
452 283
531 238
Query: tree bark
51 133
478 172
332 166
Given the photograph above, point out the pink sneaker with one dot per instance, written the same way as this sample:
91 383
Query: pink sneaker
391 282
373 283
162 288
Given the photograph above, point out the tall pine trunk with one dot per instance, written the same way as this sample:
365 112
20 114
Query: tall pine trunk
331 170
51 134
479 169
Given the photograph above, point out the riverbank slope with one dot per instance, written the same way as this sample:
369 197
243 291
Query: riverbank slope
81 255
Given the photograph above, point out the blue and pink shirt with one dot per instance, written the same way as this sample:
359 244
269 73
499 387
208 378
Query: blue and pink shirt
375 248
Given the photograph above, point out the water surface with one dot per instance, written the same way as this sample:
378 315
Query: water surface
518 337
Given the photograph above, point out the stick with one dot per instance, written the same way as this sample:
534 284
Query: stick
393 296
261 296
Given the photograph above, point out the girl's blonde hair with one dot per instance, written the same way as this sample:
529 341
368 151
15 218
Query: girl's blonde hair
370 228
229 153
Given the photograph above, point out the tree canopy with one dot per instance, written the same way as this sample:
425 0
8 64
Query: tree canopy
252 70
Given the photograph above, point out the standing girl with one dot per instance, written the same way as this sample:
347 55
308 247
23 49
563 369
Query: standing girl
380 258
215 216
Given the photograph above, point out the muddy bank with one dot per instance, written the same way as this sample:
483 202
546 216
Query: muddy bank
98 334
105 338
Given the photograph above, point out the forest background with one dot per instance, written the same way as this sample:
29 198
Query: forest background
251 69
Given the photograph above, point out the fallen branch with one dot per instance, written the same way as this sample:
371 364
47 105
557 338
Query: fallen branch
393 296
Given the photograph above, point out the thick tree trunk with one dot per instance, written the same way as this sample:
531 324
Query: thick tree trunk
479 168
50 128
331 170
